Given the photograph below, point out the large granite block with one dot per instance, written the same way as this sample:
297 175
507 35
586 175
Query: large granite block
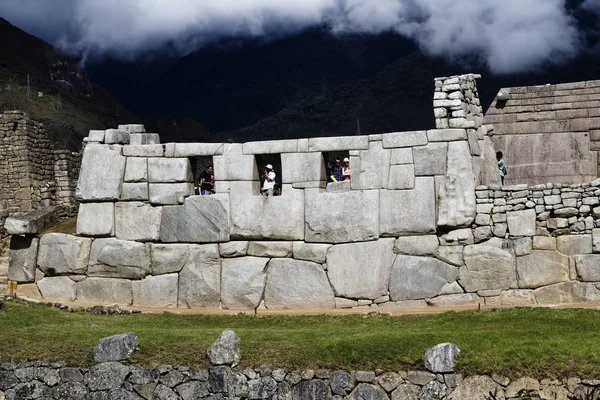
31 222
370 169
96 219
401 177
457 194
361 270
144 150
116 136
233 165
137 221
270 218
132 128
297 284
119 259
200 278
315 252
197 149
302 167
404 139
170 193
169 170
414 278
574 244
144 138
271 146
61 254
487 267
567 293
156 291
521 223
58 288
541 268
338 217
588 267
201 219
22 258
270 249
168 258
136 191
104 291
136 170
338 143
430 159
101 173
405 212
243 281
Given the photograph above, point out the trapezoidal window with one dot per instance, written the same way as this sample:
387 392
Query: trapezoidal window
269 173
337 166
204 178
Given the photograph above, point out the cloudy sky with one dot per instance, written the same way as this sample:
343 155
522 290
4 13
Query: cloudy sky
509 36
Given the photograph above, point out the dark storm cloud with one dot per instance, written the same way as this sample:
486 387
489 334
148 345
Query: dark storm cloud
509 35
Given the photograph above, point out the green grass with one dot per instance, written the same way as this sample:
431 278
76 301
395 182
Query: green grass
534 342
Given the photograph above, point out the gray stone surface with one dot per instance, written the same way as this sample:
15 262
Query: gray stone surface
370 169
425 245
457 195
96 135
302 167
270 249
404 139
119 259
116 347
523 246
401 177
364 391
233 165
243 282
361 270
104 291
144 138
170 193
262 388
134 191
106 376
144 150
31 222
94 186
136 170
156 291
487 267
342 216
310 390
58 288
233 249
441 358
430 159
132 128
315 252
406 212
541 268
567 293
574 244
257 217
414 278
197 149
200 278
201 219
225 350
169 170
22 258
61 254
168 258
446 135
96 219
137 221
477 387
341 382
588 267
402 156
297 284
338 143
451 254
116 136
521 223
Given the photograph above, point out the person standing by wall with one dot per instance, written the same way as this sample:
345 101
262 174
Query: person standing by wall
501 165
268 181
206 181
346 169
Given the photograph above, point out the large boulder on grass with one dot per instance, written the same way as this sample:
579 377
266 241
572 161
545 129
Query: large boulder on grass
115 348
225 350
441 358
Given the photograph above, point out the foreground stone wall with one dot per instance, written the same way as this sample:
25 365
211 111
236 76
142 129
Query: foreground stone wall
548 133
33 174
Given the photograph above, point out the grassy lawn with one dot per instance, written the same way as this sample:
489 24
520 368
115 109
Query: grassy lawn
535 342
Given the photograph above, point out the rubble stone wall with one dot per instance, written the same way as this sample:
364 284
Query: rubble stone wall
33 175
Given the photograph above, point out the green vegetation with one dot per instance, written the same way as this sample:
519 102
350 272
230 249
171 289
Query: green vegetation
533 342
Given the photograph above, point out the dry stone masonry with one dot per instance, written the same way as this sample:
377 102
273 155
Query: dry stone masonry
423 222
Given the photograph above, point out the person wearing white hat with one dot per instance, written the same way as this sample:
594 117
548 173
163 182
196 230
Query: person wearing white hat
346 169
268 181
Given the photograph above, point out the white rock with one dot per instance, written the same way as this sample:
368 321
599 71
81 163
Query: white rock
271 146
587 267
441 358
574 244
457 195
197 149
170 193
361 270
96 136
406 212
425 245
315 252
302 167
414 278
446 135
370 169
137 221
233 165
541 268
567 293
337 143
404 139
430 159
225 350
134 191
156 291
104 291
201 219
544 243
119 259
477 388
61 254
133 128
95 186
523 246
451 254
341 216
487 267
297 284
401 156
168 258
243 282
57 288
116 136
521 223
136 170
169 170
270 249
401 177
144 150
200 278
144 138
96 219
233 249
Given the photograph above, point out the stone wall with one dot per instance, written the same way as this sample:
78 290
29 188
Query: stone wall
548 133
33 174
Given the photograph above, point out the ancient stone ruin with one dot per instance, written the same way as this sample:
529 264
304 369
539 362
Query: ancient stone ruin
423 221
